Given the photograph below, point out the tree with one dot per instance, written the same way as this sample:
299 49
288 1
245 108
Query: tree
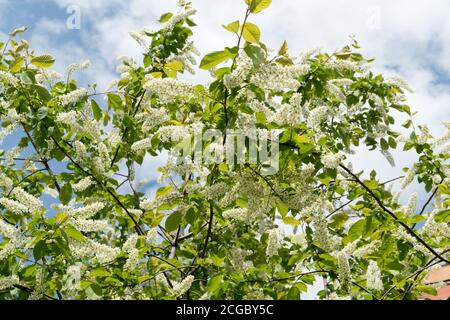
217 228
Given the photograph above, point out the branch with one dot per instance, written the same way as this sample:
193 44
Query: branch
404 225
111 193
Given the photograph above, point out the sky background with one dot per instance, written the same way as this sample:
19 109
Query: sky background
407 38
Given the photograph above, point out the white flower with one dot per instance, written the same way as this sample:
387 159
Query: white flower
399 82
140 38
141 145
173 133
216 190
87 211
48 75
153 117
443 139
8 282
83 184
27 199
335 91
182 15
236 78
272 243
299 239
410 208
80 151
5 182
332 160
239 214
373 277
152 237
316 116
8 78
77 67
169 90
182 287
72 97
409 177
344 271
13 206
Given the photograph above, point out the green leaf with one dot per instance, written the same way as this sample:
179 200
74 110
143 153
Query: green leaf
96 110
164 191
355 231
443 216
284 49
100 272
214 284
16 65
43 61
257 6
291 221
251 32
173 221
114 102
293 293
39 250
42 113
214 58
43 93
176 65
165 17
261 118
256 53
65 195
74 233
17 31
233 27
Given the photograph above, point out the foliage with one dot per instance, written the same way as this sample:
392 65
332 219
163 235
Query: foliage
213 231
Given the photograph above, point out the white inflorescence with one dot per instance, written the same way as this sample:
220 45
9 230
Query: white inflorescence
77 67
239 214
8 78
169 90
409 177
129 247
48 75
8 282
272 243
344 271
332 160
83 184
410 208
142 145
13 206
182 287
28 200
316 116
243 66
72 97
151 238
373 277
5 182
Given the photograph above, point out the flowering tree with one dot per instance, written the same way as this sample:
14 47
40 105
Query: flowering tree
215 229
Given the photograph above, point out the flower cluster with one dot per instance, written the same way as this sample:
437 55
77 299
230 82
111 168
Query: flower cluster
182 287
72 97
373 277
169 90
273 243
